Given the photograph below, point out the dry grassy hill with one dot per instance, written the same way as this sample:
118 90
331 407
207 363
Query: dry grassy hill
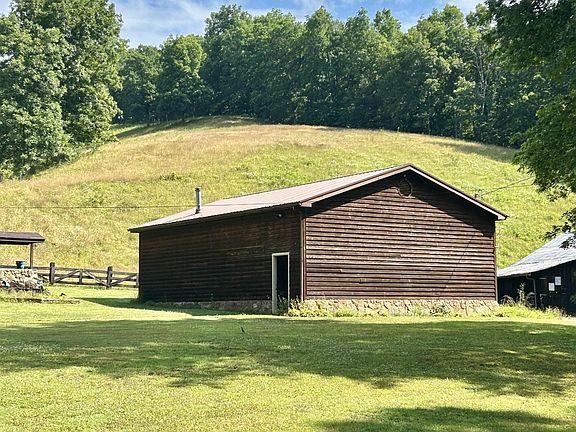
160 165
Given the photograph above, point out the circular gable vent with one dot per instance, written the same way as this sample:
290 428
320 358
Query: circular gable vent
405 188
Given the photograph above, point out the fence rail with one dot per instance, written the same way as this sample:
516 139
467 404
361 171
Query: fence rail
80 276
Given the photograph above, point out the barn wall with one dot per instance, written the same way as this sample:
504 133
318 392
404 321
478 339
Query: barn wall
223 260
374 243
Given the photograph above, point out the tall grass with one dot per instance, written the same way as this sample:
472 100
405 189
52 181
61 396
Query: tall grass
160 165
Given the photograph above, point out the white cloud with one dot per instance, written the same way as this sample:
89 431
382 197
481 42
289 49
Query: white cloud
150 21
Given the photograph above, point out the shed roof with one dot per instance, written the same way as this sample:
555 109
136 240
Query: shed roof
20 238
303 195
550 255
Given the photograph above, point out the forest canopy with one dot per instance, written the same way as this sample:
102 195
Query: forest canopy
444 76
65 77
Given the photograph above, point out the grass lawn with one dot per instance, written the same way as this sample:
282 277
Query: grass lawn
108 364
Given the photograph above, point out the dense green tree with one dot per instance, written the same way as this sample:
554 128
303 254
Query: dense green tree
316 69
89 37
444 76
411 85
450 41
181 91
506 100
139 70
226 67
447 75
361 51
541 35
31 127
272 52
388 26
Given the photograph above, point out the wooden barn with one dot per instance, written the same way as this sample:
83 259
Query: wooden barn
547 276
394 239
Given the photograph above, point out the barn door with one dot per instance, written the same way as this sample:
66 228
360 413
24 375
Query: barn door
280 279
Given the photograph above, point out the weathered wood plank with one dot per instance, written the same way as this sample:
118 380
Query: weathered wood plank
372 242
220 260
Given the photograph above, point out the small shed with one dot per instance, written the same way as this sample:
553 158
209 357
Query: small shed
389 240
547 276
29 239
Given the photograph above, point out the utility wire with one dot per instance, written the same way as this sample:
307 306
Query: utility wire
129 207
482 193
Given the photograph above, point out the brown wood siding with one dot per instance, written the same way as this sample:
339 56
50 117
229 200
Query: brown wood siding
228 259
372 242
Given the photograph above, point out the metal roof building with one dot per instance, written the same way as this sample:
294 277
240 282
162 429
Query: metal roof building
393 237
549 273
22 239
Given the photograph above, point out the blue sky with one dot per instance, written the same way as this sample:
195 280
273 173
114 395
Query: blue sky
151 21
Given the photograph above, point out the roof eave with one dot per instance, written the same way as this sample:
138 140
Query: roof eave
139 228
19 243
514 275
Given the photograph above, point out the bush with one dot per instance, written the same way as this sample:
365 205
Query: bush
522 311
298 308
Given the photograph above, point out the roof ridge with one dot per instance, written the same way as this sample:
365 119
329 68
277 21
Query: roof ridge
308 183
304 195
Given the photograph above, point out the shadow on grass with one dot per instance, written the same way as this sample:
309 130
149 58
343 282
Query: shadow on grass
449 419
214 122
494 152
501 357
127 303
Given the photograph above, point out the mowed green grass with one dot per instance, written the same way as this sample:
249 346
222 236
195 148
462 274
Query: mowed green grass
108 364
227 156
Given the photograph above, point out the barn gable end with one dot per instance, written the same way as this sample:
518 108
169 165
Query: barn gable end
401 237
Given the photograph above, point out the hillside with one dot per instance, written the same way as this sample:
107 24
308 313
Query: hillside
160 165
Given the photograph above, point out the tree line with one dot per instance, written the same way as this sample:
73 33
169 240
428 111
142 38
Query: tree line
444 76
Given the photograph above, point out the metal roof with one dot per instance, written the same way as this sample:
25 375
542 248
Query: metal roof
20 238
303 195
550 255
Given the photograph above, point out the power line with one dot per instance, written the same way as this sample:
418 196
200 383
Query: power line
91 207
129 207
481 193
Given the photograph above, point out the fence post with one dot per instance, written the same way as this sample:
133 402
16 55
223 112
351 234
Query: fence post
109 273
81 277
52 273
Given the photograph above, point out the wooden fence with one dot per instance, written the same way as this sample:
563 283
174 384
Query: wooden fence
79 276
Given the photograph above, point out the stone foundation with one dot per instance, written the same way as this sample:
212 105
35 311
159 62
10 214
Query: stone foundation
253 306
363 306
405 307
20 279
